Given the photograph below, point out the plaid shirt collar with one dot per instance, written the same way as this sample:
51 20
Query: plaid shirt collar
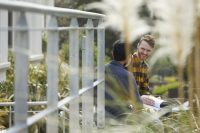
135 56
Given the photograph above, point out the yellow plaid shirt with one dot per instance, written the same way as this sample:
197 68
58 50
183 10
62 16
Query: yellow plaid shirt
140 72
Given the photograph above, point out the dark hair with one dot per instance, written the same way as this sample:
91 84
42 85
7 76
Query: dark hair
119 53
149 39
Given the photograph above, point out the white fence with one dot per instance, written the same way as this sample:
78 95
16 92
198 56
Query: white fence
28 25
34 21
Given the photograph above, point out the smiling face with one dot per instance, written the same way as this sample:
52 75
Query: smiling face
144 50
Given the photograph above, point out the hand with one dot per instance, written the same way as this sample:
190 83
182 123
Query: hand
130 106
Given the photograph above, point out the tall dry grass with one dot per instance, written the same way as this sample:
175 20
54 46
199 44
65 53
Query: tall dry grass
178 29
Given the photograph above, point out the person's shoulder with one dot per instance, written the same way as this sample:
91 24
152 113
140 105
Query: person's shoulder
125 72
129 73
107 66
110 66
135 58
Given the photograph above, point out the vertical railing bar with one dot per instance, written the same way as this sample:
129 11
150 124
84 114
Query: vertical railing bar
35 20
88 99
21 73
52 75
74 77
84 76
62 115
100 75
3 45
64 123
35 40
10 116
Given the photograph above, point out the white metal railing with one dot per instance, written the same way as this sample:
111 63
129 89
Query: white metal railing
22 49
4 64
10 108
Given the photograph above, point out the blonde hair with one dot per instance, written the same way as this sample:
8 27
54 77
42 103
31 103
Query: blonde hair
149 39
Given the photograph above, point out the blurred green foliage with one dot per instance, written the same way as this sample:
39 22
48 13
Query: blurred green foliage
160 90
170 79
37 85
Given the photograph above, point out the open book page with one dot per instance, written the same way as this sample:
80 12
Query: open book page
152 101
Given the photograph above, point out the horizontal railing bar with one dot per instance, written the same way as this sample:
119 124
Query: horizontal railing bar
47 29
50 10
36 57
78 28
33 119
7 111
83 90
29 103
4 65
66 100
67 110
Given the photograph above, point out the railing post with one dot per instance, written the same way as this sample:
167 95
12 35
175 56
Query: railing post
49 3
21 73
35 37
74 76
84 80
52 75
4 64
88 75
62 115
10 116
35 40
100 76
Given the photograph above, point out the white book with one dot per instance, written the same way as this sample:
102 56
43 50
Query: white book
152 101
